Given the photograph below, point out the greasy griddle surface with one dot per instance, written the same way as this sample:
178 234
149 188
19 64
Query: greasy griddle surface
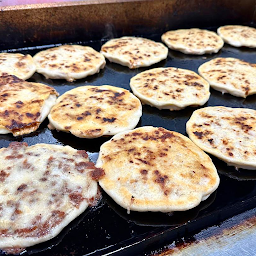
107 227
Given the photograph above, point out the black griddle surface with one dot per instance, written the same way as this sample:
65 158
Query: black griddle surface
107 228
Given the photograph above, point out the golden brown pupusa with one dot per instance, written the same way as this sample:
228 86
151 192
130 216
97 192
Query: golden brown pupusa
23 105
237 35
230 75
193 41
227 133
170 88
153 169
17 64
94 111
134 52
69 62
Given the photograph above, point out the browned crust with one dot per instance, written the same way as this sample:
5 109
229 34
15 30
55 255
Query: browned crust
22 116
226 133
153 169
93 111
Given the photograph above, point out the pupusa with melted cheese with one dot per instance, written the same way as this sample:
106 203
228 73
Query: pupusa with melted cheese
42 189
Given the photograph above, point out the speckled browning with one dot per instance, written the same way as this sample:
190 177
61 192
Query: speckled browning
17 64
134 52
193 41
170 88
238 36
161 170
230 75
69 62
227 133
94 111
21 103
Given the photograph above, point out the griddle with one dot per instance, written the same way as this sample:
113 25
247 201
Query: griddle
107 229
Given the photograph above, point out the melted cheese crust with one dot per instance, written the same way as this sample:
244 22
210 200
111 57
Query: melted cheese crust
43 188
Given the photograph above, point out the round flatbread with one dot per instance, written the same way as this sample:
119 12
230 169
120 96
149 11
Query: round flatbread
17 64
23 105
69 62
153 169
94 111
170 88
227 133
230 75
134 52
238 36
193 41
43 188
